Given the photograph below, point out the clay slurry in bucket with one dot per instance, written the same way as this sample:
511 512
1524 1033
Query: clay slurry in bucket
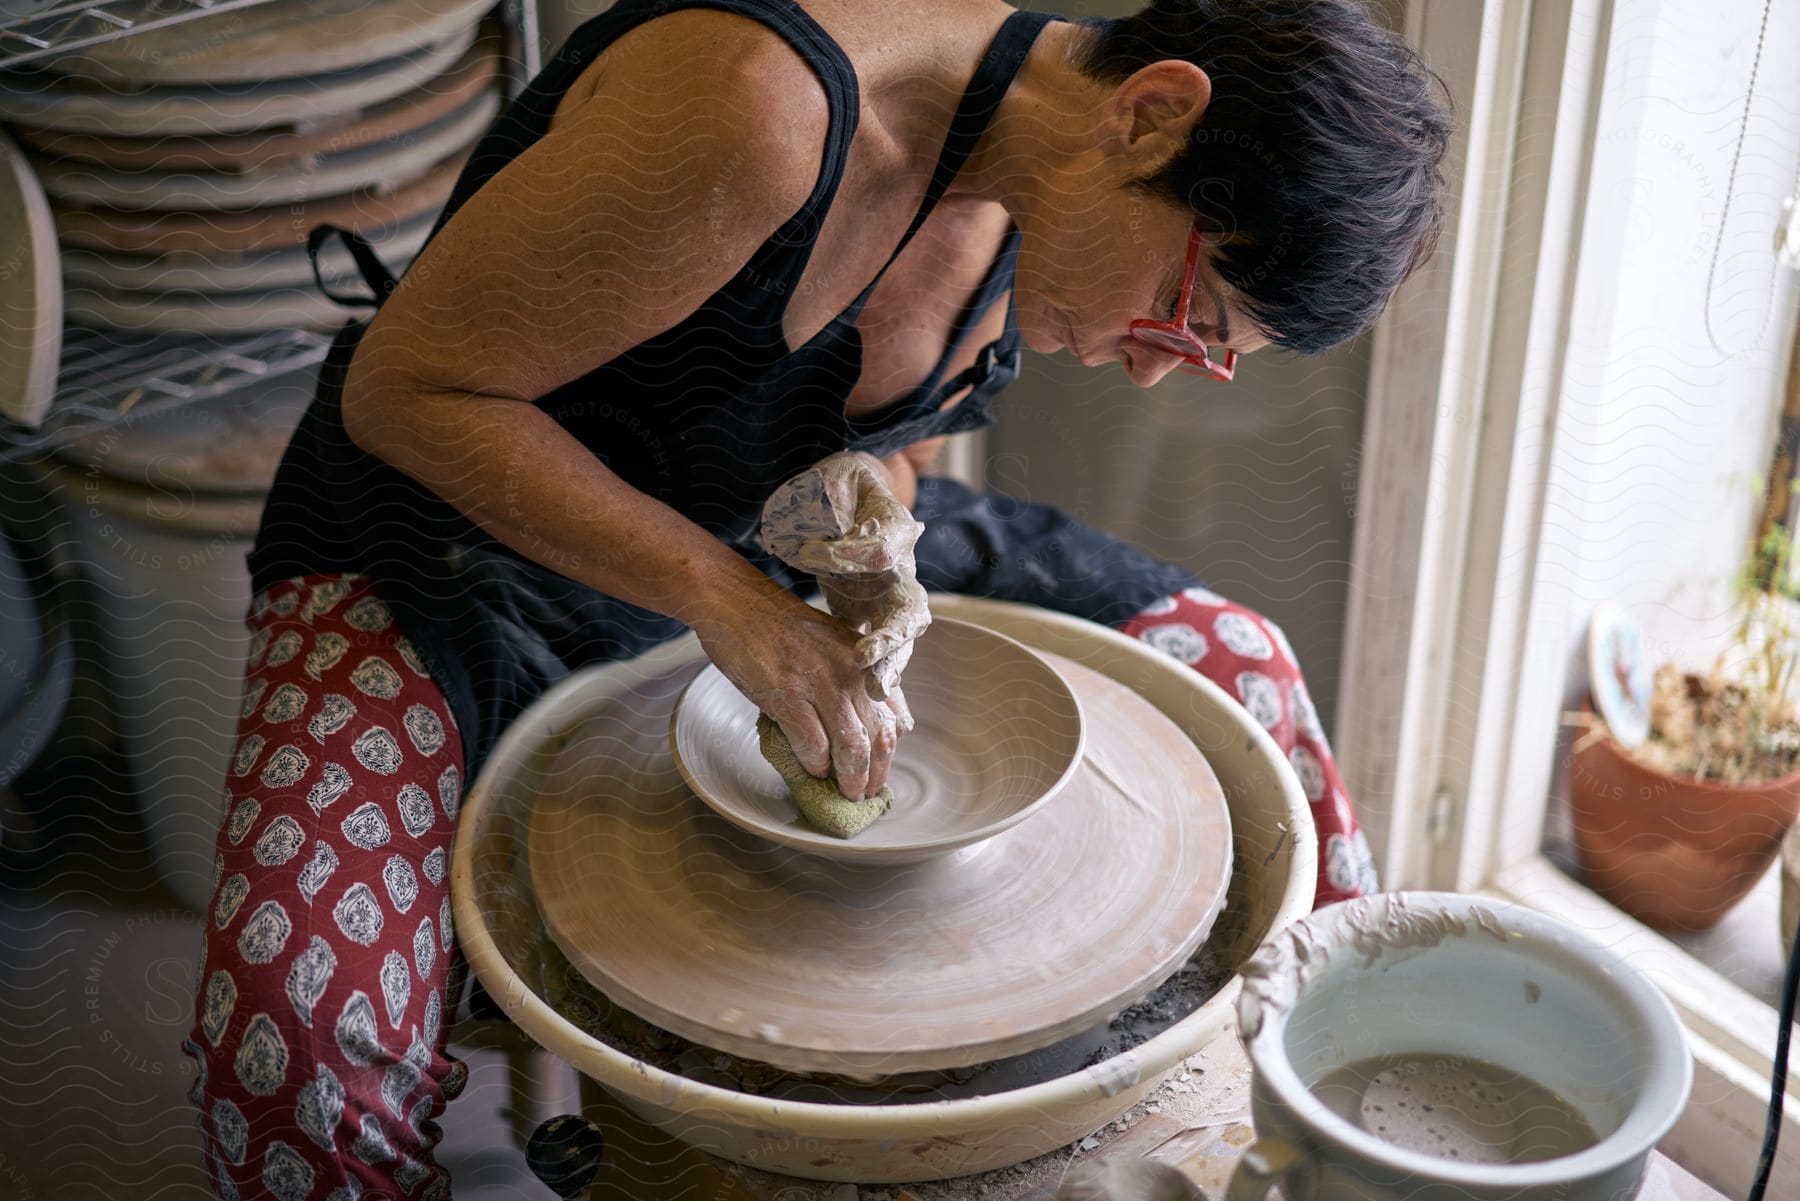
1455 1107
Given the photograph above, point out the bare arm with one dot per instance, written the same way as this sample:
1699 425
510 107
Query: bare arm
611 229
906 466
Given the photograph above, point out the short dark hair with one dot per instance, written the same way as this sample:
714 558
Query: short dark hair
1318 158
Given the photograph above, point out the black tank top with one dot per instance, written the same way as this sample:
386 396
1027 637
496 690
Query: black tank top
708 416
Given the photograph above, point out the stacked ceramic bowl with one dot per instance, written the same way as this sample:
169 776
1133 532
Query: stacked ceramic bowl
186 165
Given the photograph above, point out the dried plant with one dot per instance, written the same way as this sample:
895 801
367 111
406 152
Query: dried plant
1737 723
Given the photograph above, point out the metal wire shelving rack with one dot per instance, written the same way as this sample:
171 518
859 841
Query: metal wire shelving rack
30 31
105 375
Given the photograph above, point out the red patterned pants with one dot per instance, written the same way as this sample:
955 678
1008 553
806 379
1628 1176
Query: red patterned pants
323 1006
326 975
1247 655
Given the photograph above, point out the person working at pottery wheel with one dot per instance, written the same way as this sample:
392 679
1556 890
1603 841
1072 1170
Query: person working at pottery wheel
713 246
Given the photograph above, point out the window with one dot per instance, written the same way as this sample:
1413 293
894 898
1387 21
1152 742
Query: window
1602 391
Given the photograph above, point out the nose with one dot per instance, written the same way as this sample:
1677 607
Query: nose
1146 365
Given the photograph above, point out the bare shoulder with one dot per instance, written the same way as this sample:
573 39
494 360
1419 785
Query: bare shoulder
639 203
705 54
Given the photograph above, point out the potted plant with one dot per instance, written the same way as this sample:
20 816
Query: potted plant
1676 827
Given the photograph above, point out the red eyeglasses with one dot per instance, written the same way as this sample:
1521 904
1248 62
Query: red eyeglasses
1174 337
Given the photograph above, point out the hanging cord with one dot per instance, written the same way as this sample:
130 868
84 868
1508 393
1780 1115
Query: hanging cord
1790 987
1765 1162
1737 155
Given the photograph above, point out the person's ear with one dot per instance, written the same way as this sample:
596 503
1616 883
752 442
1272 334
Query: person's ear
1150 116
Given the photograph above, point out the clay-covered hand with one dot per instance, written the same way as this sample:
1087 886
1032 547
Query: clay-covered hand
800 667
839 521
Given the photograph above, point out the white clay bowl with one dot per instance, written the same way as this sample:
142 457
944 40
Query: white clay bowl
998 733
1277 851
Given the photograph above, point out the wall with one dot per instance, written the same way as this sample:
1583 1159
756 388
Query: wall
1252 484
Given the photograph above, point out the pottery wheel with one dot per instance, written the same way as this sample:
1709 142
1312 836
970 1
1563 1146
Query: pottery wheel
818 966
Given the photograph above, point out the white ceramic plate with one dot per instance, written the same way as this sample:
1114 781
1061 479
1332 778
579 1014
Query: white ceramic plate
258 271
1620 674
998 733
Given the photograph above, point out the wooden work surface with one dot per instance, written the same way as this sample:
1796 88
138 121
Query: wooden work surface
1198 1120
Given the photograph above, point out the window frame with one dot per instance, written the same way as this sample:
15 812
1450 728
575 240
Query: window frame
1453 794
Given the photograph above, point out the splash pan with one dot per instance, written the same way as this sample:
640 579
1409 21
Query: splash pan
923 1126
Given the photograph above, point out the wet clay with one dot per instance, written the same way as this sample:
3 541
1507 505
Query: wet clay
1455 1107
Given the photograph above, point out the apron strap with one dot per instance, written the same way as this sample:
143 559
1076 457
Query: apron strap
987 361
381 282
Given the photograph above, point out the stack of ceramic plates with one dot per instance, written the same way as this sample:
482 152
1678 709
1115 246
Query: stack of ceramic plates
186 165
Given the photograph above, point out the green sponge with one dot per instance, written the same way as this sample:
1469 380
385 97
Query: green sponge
821 804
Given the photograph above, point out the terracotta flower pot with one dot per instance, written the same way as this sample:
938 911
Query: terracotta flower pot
1674 852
